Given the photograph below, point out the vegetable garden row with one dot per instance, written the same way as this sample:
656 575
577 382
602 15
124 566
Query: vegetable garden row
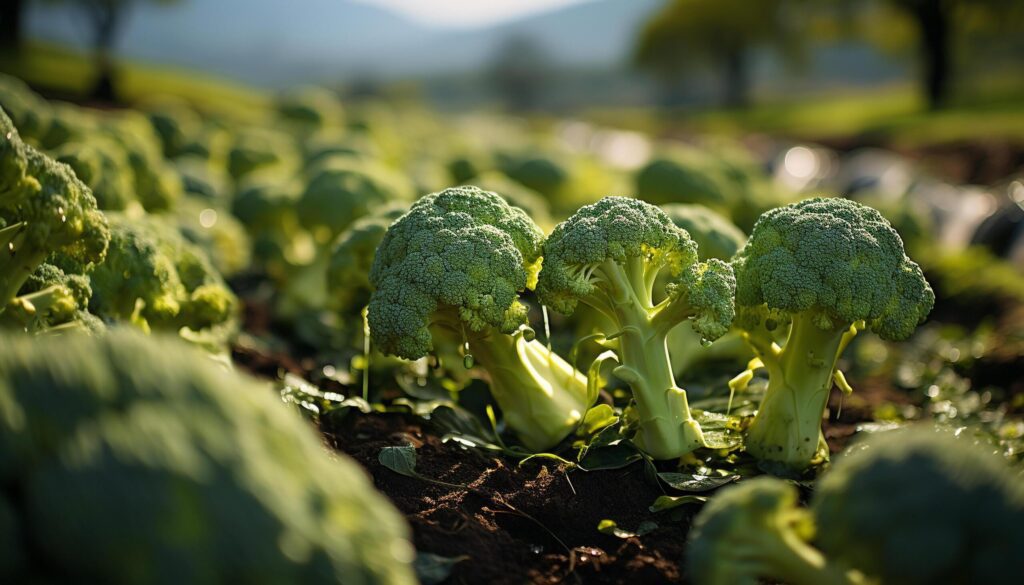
220 326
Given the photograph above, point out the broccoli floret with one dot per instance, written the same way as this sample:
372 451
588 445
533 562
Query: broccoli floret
259 148
912 506
716 237
158 186
608 256
30 112
102 164
682 176
530 201
44 209
455 265
51 299
348 275
175 122
344 191
139 460
831 267
217 232
918 506
310 108
156 279
540 173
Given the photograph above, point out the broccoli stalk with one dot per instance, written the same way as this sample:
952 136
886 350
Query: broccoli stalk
608 257
455 264
831 268
556 400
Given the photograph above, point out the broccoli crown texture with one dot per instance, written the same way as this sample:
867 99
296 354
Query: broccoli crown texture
464 252
837 261
617 229
918 506
44 208
139 461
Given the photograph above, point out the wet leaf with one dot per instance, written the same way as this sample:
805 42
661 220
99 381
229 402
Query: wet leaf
597 418
610 457
664 503
694 482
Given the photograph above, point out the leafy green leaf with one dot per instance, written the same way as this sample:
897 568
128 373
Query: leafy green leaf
597 418
669 502
401 460
611 457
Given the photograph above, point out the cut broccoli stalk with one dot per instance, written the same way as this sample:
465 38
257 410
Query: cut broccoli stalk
542 396
831 267
608 256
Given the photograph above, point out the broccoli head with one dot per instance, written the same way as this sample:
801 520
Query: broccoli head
345 190
919 505
608 256
102 164
310 107
44 209
542 174
455 264
51 298
348 275
830 268
141 461
911 506
682 177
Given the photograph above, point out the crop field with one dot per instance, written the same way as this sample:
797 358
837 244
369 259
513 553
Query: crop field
286 338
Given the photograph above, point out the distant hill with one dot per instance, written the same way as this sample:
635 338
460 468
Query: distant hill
274 43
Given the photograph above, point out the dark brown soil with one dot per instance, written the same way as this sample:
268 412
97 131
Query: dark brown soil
535 523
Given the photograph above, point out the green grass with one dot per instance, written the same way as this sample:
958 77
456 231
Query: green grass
60 70
893 114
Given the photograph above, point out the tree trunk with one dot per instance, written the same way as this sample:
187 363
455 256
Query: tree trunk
106 19
933 20
736 84
11 16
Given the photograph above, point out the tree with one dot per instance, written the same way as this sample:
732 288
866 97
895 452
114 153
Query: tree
106 20
721 33
938 24
11 31
518 71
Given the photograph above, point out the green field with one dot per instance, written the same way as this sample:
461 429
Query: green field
64 72
895 115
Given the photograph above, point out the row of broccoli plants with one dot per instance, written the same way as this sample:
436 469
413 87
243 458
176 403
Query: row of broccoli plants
450 272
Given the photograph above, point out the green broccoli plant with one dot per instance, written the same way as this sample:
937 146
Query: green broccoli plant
831 268
348 275
44 209
137 460
454 266
156 279
102 164
908 507
608 256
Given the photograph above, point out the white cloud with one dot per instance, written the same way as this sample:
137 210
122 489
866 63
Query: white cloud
469 13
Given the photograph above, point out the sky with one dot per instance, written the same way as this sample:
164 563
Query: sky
469 13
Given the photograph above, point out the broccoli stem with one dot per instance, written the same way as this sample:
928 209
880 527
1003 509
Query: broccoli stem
32 310
16 265
784 556
787 427
667 429
541 395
